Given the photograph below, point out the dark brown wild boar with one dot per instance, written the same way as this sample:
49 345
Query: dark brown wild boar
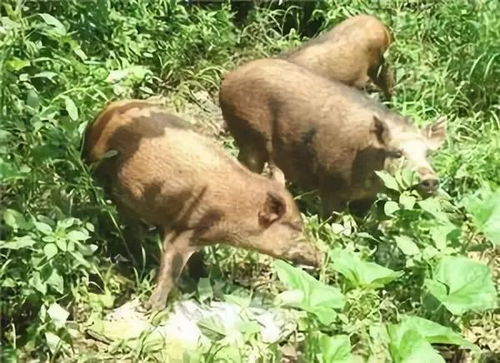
352 53
322 134
169 176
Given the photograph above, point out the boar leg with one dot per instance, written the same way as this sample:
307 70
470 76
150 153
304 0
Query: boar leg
133 233
177 248
383 76
331 201
361 207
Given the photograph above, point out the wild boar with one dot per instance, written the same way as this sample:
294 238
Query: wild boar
169 176
322 134
352 53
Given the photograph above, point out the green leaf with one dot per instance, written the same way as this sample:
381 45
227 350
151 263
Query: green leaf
310 294
361 273
484 207
86 249
66 223
390 207
50 250
435 333
411 340
89 226
205 289
56 281
49 238
45 74
337 228
211 324
406 245
105 300
4 135
80 53
78 50
71 108
462 285
335 349
408 346
48 113
380 351
229 353
440 235
137 73
14 219
407 201
429 252
17 243
389 181
53 342
243 301
249 328
133 74
116 75
8 23
15 64
59 28
61 244
32 99
9 171
58 315
9 283
433 207
80 260
37 283
406 177
77 236
43 227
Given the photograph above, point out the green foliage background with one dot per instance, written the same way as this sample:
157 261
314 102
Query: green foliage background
61 61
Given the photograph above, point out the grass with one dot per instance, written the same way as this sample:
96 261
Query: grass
60 239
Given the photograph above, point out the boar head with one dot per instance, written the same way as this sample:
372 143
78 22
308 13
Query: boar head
275 228
401 139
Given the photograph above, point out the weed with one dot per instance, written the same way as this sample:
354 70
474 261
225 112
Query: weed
410 275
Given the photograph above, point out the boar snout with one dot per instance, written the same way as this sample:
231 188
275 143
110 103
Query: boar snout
305 254
429 185
429 181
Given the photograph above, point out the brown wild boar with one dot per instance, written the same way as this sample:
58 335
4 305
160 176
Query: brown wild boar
169 176
352 53
322 134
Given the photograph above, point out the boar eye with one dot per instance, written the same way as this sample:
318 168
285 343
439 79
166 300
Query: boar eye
394 154
296 225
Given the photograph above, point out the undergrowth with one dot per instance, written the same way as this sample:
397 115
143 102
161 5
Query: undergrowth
62 256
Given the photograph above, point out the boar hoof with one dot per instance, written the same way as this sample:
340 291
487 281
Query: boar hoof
157 301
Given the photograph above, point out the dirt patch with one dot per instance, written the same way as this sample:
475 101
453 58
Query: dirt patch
200 109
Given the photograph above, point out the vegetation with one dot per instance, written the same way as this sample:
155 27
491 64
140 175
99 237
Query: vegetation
411 275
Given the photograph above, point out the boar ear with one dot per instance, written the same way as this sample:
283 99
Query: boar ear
273 209
380 130
436 133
